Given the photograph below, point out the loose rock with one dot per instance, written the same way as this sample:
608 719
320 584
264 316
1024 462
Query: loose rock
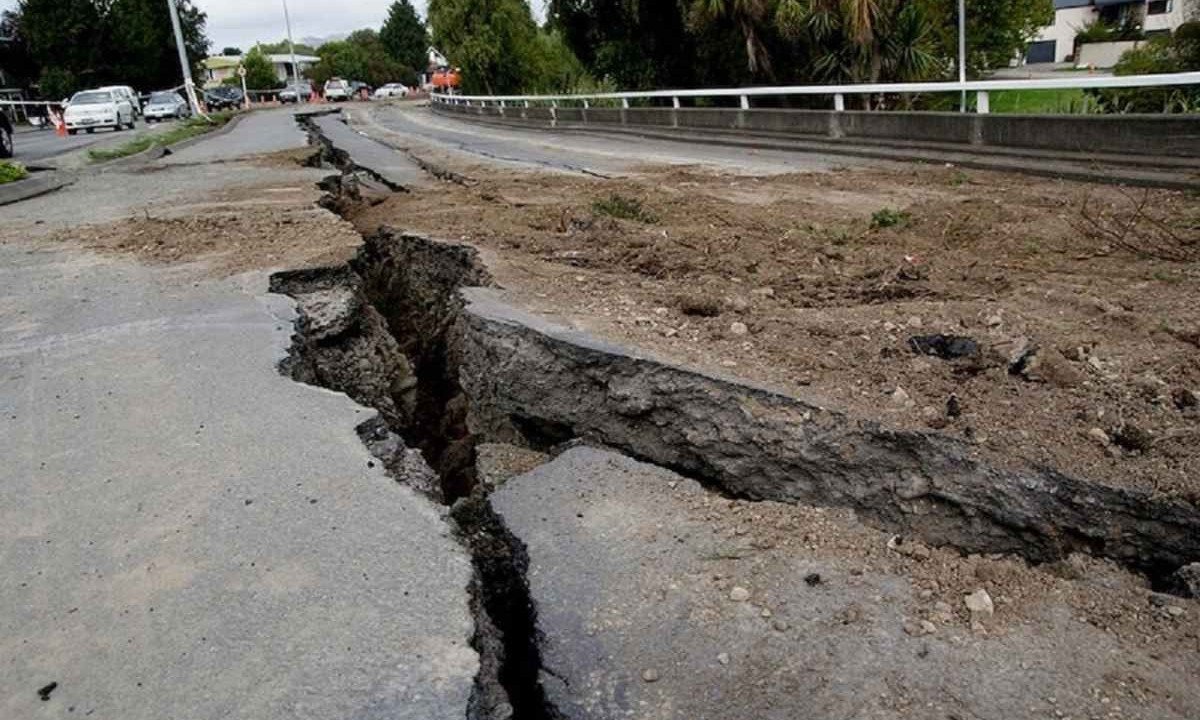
650 675
979 603
739 594
738 328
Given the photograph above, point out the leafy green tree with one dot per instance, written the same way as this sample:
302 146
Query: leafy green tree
231 51
260 73
750 17
636 45
493 41
1178 52
16 57
63 41
404 36
72 44
282 48
141 44
362 57
997 30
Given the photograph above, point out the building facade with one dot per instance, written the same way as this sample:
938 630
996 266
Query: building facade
219 68
1056 43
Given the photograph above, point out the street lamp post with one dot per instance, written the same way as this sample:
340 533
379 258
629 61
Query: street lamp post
291 45
188 85
962 52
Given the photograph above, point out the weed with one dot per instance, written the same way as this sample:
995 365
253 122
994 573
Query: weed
888 217
11 172
624 207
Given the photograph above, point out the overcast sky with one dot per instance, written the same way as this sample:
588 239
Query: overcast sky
243 22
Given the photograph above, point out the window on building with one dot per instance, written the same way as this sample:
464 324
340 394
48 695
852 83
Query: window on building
1158 7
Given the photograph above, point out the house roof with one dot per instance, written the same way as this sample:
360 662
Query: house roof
217 62
285 58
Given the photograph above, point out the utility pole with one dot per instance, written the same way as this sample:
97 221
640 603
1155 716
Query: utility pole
962 52
291 45
188 86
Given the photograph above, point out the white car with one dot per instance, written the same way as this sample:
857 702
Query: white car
337 89
93 109
166 105
129 93
391 90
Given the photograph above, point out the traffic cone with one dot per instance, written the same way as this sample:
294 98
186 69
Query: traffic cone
60 125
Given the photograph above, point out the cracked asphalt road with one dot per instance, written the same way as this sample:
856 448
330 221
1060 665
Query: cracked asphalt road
184 532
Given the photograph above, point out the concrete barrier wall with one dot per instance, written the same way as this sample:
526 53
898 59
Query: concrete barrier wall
1165 135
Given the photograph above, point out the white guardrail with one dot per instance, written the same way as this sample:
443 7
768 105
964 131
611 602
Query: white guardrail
981 88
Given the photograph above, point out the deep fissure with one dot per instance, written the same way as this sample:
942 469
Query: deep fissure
389 329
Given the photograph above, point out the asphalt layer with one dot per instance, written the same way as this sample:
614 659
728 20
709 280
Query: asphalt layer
635 585
575 152
184 532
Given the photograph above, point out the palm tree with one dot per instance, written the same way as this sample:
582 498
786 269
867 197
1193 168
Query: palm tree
749 16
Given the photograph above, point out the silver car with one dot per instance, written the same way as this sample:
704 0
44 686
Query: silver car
166 105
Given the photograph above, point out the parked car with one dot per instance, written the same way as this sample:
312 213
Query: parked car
391 90
359 90
296 93
129 94
166 105
91 109
225 97
6 137
337 89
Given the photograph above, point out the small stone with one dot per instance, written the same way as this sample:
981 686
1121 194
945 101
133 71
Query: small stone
780 625
915 321
1099 436
661 311
763 292
669 332
901 397
1174 610
994 320
738 328
954 406
928 628
723 658
766 612
1186 580
650 675
979 603
739 594
812 579
503 711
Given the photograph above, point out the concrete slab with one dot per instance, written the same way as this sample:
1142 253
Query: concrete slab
262 131
657 599
186 533
394 167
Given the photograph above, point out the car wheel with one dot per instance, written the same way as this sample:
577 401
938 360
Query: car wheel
91 130
72 131
6 143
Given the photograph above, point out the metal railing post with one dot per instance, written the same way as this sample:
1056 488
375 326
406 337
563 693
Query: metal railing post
745 102
839 102
981 102
624 103
675 102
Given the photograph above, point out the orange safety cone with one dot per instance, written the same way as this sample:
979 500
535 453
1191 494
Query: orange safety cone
60 125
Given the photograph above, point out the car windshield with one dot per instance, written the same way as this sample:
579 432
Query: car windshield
336 84
163 97
92 98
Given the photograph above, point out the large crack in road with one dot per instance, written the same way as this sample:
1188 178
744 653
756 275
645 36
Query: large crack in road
412 328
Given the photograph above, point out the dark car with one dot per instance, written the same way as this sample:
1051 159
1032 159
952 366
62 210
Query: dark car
223 98
6 136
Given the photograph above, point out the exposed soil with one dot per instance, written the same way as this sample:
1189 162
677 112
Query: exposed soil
250 228
1087 330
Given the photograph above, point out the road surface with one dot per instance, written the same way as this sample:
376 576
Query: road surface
184 532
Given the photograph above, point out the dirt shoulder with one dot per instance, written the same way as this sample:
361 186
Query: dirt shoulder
1074 305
